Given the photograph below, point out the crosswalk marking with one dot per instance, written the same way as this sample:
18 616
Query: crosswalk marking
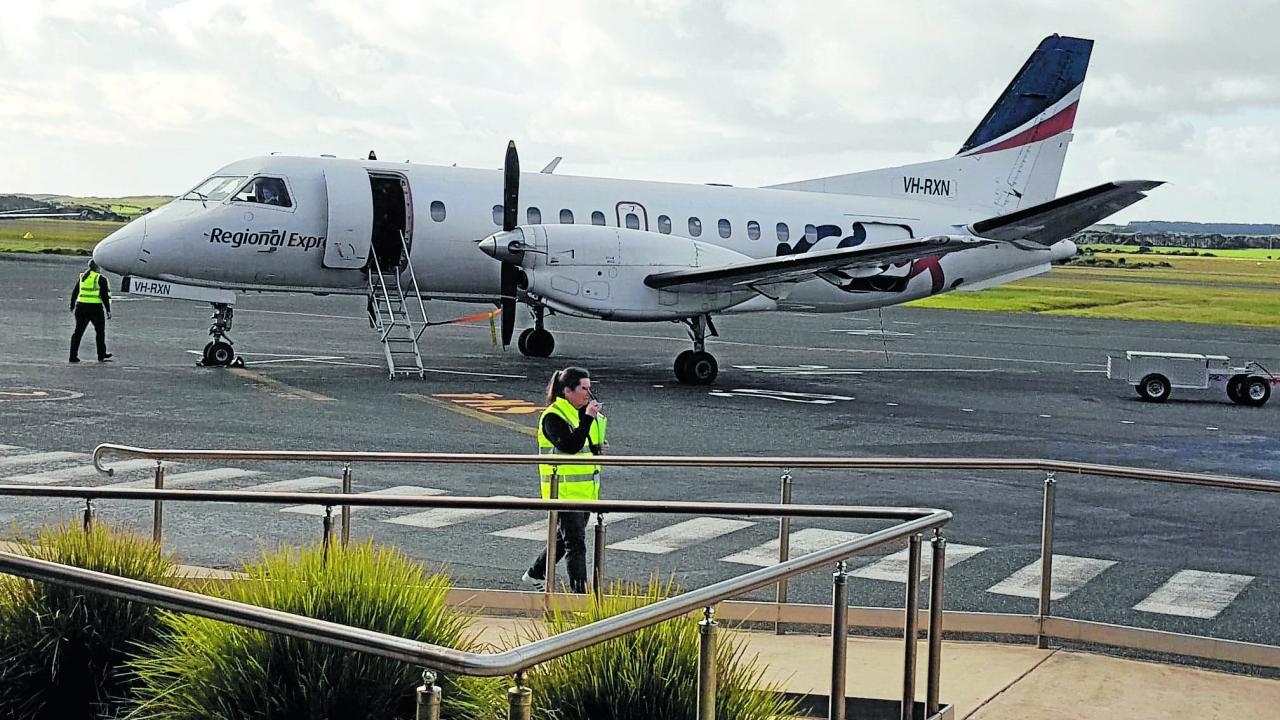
894 567
187 479
303 484
82 472
681 535
802 542
1194 593
9 461
538 530
437 518
1070 573
397 490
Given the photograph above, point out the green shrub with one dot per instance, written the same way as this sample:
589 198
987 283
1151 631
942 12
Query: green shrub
652 673
62 651
202 669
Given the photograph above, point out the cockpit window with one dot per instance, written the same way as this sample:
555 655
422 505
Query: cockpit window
265 190
216 188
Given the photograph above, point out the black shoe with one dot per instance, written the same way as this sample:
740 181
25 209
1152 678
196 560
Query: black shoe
105 358
73 360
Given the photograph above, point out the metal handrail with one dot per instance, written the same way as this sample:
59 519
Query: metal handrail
882 463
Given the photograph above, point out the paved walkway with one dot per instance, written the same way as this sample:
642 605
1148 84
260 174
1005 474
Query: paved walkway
988 681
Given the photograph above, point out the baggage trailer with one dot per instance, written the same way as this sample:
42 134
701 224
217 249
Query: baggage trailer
1155 375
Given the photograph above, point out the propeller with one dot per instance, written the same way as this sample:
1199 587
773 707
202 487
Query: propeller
510 205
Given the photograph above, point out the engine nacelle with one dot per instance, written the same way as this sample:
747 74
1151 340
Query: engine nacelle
599 271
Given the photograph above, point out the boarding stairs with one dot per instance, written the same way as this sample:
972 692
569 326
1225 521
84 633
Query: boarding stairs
392 306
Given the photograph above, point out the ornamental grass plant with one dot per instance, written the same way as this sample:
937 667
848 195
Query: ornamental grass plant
62 651
652 673
202 669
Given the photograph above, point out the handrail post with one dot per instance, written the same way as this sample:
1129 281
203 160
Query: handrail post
328 533
597 572
911 629
935 622
784 548
519 700
1046 557
707 666
428 707
549 567
157 514
839 640
88 514
346 509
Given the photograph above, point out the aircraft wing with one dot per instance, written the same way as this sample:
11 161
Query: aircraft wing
805 266
1058 219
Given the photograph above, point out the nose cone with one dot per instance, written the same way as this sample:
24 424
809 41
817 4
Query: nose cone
505 246
489 246
119 251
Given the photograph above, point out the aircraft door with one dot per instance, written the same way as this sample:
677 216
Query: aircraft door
632 215
350 232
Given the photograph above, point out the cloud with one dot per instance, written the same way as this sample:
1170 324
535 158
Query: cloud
150 96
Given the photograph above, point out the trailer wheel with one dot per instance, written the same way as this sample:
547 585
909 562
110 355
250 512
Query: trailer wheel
1154 388
1255 391
1235 389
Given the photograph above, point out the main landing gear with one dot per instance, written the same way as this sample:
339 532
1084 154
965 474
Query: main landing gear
697 366
219 352
537 341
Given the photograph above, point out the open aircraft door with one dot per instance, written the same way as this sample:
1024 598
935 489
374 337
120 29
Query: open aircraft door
350 217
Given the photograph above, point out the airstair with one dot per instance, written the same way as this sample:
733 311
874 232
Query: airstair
391 306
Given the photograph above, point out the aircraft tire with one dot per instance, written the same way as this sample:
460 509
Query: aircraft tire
702 368
219 354
1235 389
1154 388
1255 391
540 343
522 342
681 367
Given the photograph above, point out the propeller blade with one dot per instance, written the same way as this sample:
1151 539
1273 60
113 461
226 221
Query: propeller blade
510 277
510 187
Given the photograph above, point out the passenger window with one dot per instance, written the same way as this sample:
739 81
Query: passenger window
753 229
534 215
695 227
437 211
497 215
664 224
725 228
784 232
566 217
597 218
810 233
633 222
265 190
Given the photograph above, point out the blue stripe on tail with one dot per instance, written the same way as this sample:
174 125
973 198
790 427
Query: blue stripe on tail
1055 68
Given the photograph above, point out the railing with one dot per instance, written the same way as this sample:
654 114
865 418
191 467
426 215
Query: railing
912 522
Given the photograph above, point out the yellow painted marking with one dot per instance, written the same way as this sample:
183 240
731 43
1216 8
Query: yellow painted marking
36 393
473 413
277 388
491 402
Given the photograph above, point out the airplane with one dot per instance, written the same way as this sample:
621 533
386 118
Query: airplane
632 251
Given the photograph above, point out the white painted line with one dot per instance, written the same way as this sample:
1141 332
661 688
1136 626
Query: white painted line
1127 422
430 370
437 518
893 568
1046 416
1197 594
41 458
1091 372
892 404
538 530
82 472
1070 573
9 448
397 490
303 484
187 479
966 409
803 542
1211 428
681 535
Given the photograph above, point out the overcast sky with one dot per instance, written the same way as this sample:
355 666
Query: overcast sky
122 97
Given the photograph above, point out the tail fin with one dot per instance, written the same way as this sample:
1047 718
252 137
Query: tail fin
1012 160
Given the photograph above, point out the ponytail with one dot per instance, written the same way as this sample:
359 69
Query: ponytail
566 378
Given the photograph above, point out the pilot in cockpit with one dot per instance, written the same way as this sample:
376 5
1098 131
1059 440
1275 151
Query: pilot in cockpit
270 191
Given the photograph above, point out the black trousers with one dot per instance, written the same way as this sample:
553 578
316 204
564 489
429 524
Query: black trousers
571 539
90 313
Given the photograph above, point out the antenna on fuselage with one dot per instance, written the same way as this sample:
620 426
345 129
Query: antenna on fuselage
373 155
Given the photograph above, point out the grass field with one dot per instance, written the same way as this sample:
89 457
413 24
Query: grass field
74 237
1250 254
130 207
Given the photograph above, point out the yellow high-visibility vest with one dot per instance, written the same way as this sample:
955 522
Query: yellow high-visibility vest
89 292
577 481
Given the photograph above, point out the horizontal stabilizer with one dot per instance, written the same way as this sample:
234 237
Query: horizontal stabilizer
1049 222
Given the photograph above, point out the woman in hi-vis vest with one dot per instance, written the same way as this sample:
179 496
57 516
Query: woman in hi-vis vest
571 425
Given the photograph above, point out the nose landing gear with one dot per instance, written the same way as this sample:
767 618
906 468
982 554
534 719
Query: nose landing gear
536 341
697 366
219 351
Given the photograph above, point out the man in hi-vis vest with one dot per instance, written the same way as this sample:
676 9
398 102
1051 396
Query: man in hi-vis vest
89 300
571 425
